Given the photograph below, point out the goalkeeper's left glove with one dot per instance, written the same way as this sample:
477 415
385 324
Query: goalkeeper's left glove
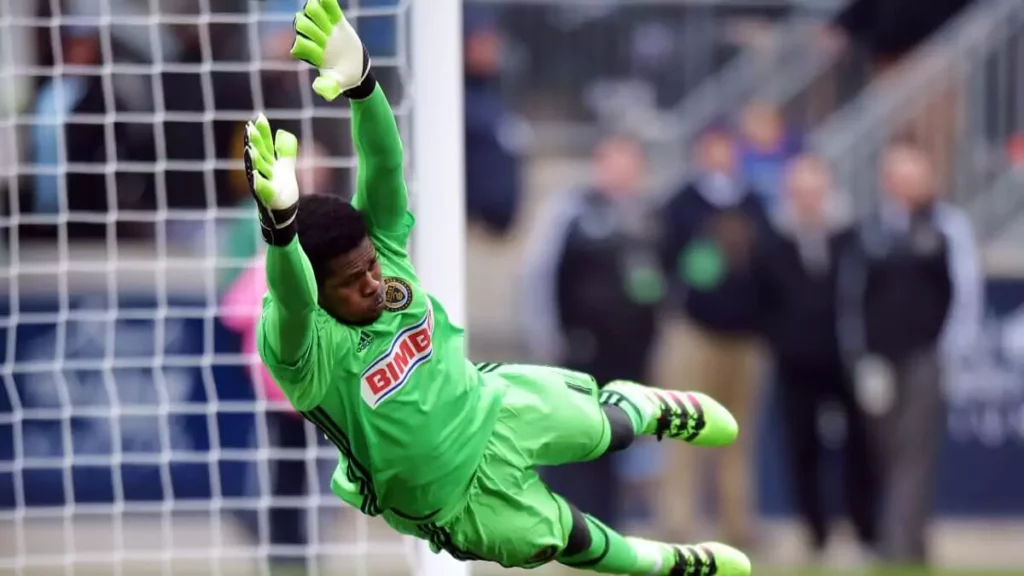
324 39
270 169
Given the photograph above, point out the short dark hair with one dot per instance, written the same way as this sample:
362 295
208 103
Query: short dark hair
329 226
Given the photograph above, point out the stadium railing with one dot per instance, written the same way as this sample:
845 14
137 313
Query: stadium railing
654 65
786 69
960 96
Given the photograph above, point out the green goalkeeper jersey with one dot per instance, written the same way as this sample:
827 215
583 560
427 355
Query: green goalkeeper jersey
409 414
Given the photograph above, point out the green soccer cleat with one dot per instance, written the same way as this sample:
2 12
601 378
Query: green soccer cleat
705 559
709 559
693 417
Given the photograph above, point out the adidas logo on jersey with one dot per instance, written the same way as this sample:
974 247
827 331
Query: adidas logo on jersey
365 339
390 371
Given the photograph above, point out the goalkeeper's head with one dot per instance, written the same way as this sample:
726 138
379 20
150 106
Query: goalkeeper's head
334 237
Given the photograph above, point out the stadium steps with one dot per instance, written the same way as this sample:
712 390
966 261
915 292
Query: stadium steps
963 72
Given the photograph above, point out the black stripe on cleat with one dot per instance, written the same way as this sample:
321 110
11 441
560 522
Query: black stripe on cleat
699 421
711 562
691 562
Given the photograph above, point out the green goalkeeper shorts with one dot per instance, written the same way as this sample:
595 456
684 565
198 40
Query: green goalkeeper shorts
549 416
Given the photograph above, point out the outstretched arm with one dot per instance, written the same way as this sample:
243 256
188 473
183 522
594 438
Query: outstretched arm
288 317
287 332
326 40
380 184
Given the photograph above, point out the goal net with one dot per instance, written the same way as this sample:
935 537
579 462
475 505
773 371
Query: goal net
135 434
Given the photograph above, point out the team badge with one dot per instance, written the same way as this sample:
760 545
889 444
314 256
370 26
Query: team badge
397 294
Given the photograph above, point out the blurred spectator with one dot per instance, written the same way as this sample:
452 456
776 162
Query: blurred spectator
57 99
18 51
593 284
242 303
766 147
911 275
795 269
492 166
82 90
65 137
709 340
187 133
288 439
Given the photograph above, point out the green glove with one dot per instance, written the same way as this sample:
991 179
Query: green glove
270 170
323 38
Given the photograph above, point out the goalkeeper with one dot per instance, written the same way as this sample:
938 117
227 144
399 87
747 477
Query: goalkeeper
443 449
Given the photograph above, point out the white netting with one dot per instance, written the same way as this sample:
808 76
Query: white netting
131 438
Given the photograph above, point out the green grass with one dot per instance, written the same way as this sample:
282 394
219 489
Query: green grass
485 570
879 572
772 571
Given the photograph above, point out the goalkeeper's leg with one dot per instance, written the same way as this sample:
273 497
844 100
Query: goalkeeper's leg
693 417
568 420
552 416
593 546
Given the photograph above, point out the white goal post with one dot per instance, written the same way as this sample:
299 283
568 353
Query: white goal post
438 162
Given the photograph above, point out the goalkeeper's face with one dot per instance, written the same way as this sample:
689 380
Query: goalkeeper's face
353 293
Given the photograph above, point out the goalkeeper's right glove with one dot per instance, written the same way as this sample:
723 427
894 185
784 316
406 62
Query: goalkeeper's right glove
323 38
270 169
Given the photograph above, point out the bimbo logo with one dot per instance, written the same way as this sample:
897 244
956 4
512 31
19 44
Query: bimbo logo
389 372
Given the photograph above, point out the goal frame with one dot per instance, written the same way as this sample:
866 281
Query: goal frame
438 162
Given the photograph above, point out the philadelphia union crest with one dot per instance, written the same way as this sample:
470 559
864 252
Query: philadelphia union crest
397 294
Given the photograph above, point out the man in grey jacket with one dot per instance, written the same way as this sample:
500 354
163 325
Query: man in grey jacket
910 297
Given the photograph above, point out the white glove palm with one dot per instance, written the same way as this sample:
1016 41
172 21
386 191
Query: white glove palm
324 39
270 168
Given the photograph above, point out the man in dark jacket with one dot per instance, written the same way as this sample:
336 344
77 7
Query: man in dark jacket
795 270
82 146
593 287
709 340
492 164
908 284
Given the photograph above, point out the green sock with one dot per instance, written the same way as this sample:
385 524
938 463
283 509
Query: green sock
636 400
610 553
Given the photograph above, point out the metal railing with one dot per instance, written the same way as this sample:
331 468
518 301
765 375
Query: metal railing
573 67
960 95
787 69
784 65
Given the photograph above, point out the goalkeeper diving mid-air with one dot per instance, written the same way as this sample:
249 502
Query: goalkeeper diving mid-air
442 449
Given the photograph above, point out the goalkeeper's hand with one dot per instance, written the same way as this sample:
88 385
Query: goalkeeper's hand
324 39
270 169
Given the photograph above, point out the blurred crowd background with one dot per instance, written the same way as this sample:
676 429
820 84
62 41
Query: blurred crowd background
811 210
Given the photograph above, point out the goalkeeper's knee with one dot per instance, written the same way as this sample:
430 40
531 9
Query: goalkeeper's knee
622 431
